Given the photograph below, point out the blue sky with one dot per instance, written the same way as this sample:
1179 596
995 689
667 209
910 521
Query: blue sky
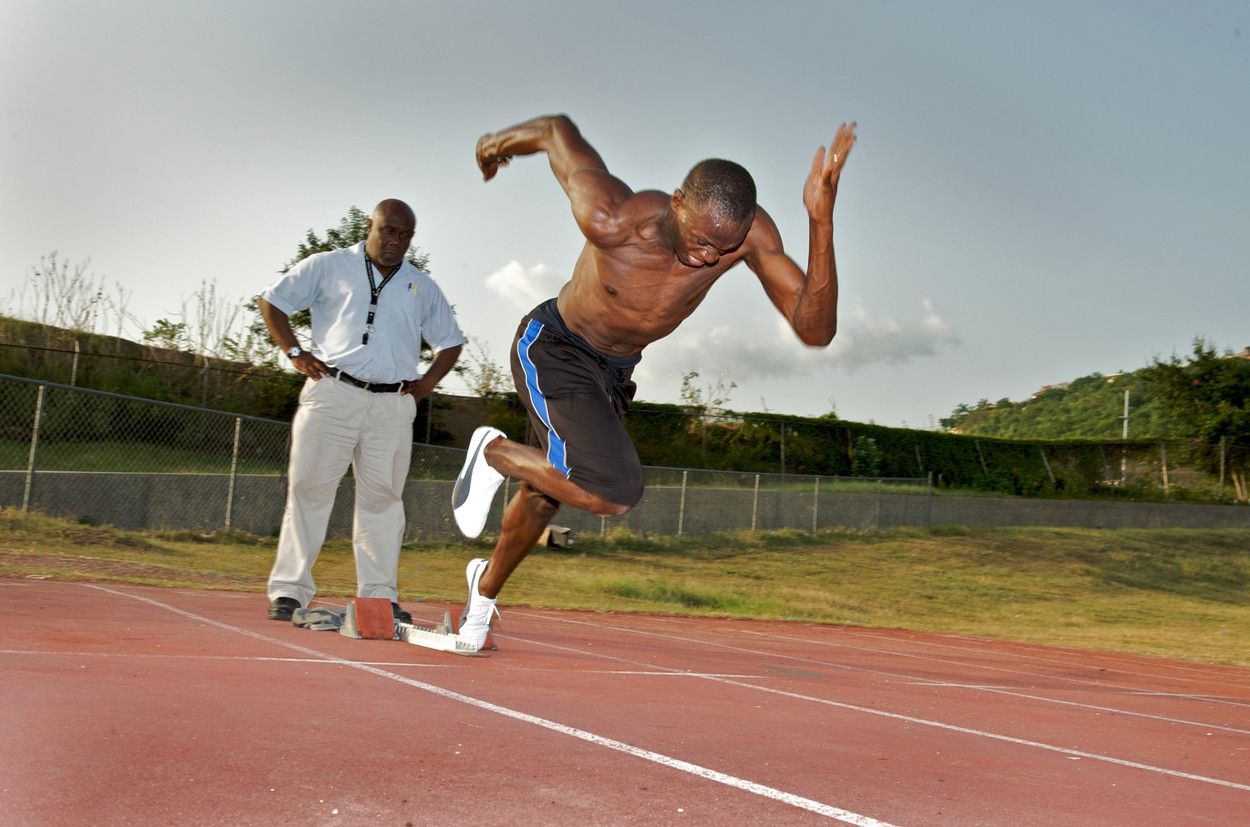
1040 191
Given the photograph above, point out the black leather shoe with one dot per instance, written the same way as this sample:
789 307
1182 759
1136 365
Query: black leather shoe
399 614
282 608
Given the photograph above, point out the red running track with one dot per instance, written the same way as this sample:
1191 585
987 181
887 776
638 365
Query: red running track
130 705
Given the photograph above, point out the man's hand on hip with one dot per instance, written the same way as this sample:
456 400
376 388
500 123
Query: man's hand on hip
310 366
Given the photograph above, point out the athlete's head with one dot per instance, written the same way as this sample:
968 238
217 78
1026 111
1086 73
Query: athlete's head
713 211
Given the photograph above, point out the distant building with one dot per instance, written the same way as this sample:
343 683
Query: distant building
1061 386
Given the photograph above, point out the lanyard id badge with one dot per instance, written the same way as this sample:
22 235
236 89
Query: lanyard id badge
375 290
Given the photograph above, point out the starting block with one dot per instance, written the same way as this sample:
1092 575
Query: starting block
440 638
555 536
368 618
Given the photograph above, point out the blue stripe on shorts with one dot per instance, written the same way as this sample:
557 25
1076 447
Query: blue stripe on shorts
556 448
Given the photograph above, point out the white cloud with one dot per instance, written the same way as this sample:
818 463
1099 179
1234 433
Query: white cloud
864 339
524 286
867 339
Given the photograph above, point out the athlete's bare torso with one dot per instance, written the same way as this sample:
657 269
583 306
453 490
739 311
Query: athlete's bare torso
623 297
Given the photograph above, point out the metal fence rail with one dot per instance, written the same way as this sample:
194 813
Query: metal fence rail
105 458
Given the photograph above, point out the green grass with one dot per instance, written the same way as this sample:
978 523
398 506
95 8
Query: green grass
1167 592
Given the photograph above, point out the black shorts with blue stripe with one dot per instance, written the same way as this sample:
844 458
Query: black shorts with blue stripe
577 399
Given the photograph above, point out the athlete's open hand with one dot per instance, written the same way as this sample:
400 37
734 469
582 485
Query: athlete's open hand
488 158
821 187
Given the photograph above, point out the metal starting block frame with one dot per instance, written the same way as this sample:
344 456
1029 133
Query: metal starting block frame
440 638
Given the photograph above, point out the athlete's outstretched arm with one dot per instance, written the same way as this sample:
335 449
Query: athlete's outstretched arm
594 193
809 301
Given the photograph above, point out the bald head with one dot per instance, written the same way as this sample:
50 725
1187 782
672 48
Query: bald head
393 207
722 189
390 229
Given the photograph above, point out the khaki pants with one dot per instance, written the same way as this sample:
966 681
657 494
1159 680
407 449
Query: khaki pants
338 425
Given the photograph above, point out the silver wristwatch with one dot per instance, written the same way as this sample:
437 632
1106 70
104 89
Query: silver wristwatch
294 350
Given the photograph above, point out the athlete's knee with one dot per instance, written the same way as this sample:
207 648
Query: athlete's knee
603 508
540 504
623 500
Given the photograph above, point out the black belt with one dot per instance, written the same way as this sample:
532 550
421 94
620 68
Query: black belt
374 387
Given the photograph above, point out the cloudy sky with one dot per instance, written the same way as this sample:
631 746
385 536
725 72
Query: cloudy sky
1040 191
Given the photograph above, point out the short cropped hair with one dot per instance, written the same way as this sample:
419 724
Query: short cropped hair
724 186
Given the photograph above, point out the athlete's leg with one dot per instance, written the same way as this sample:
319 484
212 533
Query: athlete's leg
524 520
529 464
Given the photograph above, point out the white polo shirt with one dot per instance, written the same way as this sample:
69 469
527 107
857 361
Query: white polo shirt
335 287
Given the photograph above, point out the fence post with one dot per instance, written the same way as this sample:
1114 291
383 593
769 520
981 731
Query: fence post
783 447
34 449
681 508
1163 461
755 503
984 468
234 471
928 512
73 371
1223 450
1046 462
815 504
877 518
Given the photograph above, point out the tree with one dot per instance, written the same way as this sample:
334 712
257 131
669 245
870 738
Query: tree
167 334
73 298
211 325
485 377
1208 395
704 403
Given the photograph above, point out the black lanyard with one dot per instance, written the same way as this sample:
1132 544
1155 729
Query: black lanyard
375 290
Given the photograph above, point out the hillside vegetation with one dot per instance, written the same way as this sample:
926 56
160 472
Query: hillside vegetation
1087 408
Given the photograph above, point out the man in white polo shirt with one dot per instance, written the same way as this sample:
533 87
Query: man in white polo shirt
371 309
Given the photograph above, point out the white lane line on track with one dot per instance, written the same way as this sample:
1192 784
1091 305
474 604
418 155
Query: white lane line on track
886 672
1084 681
1071 753
1115 662
1214 699
670 674
126 656
1000 690
742 784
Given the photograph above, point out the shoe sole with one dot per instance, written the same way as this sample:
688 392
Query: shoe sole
462 491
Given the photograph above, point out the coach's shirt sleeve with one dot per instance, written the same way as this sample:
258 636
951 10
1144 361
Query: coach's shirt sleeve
297 288
438 323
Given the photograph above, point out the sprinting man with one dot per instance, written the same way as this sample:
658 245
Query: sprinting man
649 260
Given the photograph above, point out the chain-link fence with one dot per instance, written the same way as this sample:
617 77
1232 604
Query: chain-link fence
104 458
100 457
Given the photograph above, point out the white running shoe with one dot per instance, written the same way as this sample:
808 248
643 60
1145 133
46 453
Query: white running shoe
478 610
476 485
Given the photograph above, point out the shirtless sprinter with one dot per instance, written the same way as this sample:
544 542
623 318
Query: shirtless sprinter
648 261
